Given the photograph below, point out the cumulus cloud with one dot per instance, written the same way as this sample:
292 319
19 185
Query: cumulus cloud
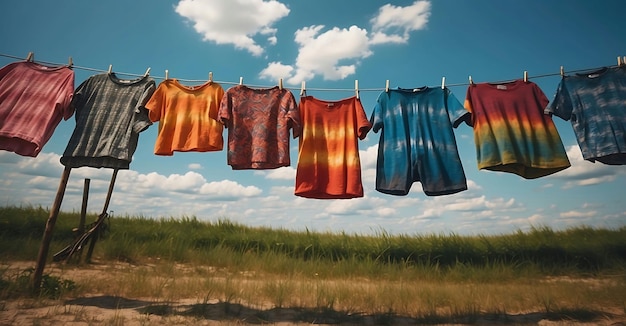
276 71
228 190
585 173
321 53
577 214
334 53
283 173
354 206
194 166
135 193
234 22
393 24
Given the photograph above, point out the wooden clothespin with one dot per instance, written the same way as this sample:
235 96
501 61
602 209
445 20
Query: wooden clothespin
619 61
624 60
562 72
280 84
30 57
303 89
443 82
70 63
387 86
167 74
525 76
356 87
240 80
110 69
147 72
471 81
210 76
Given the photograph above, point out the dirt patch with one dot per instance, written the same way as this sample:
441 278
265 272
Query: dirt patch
107 309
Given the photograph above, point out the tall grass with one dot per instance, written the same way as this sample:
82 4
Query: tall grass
224 243
431 278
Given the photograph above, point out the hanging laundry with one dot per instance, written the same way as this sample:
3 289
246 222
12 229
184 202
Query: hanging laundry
110 114
595 104
187 117
329 166
417 141
511 132
33 100
258 122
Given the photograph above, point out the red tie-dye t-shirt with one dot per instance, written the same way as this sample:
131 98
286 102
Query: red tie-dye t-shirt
329 166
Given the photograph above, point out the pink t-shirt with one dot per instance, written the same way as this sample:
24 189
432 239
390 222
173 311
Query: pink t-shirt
258 122
33 99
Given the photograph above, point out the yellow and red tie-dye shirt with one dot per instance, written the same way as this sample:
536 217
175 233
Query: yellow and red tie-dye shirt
511 132
187 117
329 166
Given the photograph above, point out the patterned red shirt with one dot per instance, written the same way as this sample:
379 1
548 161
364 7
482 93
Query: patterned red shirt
258 123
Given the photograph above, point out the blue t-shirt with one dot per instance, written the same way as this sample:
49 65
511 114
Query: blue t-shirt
417 141
595 104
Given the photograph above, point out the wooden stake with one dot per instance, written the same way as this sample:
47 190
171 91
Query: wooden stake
83 210
96 233
47 235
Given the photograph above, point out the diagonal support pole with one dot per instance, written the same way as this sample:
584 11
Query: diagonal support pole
47 235
96 234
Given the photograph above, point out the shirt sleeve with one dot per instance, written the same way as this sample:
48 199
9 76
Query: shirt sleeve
142 121
65 101
156 103
219 95
225 111
363 123
293 114
561 105
456 112
376 120
79 96
468 107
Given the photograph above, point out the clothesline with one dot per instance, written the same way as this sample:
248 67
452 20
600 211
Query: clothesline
620 61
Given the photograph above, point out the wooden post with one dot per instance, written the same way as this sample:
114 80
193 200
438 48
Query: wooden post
47 235
96 233
83 210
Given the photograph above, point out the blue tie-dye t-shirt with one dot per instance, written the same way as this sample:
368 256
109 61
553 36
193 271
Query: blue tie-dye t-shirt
417 141
595 104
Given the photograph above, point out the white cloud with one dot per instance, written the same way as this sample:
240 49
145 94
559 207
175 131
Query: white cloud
282 173
321 54
472 185
386 211
369 156
229 190
354 206
276 71
585 173
577 214
394 23
194 166
335 53
382 38
234 22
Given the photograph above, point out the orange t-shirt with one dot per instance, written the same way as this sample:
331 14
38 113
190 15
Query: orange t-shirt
329 166
187 117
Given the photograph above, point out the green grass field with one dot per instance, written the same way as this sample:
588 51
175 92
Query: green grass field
427 277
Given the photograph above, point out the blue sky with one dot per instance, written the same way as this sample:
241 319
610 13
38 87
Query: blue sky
328 44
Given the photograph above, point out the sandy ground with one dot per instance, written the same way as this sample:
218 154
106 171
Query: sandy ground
103 309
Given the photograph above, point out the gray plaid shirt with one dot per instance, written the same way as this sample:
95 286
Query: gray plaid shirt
110 114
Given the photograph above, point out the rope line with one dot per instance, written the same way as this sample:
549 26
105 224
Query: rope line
307 89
